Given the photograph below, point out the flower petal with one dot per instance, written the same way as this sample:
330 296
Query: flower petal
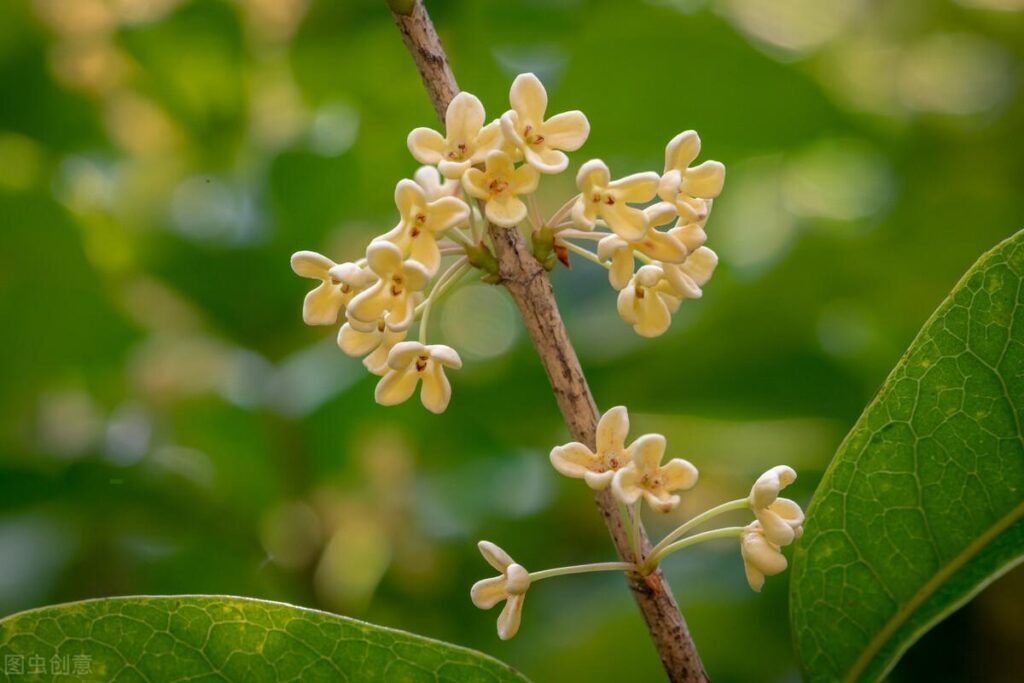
583 214
626 221
679 475
396 386
525 179
766 489
445 213
625 485
566 131
409 198
545 159
662 246
661 500
638 187
573 459
404 353
426 145
529 98
488 139
487 593
445 355
505 210
463 120
510 617
682 150
453 170
416 276
692 235
357 343
660 214
475 182
500 164
599 481
322 304
593 174
653 317
495 556
425 251
704 181
436 391
626 304
621 270
646 453
311 264
383 258
612 429
434 186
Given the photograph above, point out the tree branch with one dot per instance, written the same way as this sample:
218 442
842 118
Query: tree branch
528 283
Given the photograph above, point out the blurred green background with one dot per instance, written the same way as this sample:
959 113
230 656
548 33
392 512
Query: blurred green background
169 425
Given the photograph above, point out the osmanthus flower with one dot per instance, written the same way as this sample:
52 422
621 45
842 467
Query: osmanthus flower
761 557
602 198
435 186
393 297
542 142
338 284
466 140
646 476
690 231
686 279
661 246
689 188
780 518
499 184
597 469
648 301
511 587
422 221
374 344
408 363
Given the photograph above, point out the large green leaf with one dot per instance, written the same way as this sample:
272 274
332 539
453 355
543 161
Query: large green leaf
213 638
922 506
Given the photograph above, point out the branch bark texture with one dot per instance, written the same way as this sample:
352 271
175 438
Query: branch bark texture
527 282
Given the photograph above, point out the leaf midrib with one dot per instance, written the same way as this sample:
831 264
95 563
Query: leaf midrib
929 589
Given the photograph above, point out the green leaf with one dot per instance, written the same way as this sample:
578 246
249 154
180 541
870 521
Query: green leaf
922 506
213 638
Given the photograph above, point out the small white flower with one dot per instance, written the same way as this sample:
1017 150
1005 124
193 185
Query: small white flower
602 198
499 185
422 221
511 586
761 557
435 186
687 279
781 518
648 301
689 188
597 469
338 284
394 296
408 363
466 141
541 141
646 476
375 344
658 245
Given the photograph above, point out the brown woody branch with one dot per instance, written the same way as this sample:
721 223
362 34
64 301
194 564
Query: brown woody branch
527 281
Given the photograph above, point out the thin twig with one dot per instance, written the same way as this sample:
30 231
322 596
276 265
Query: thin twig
527 282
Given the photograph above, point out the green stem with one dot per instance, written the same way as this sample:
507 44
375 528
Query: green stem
738 504
583 569
450 276
725 532
585 253
563 210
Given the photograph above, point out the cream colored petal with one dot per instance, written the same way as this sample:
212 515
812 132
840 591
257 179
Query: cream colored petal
653 317
464 119
678 475
434 186
396 386
691 209
436 391
626 221
626 304
445 355
487 593
357 343
383 258
755 579
424 250
681 283
500 165
404 353
322 305
398 236
704 181
607 246
495 556
573 460
401 312
510 129
525 179
682 150
599 481
660 214
612 429
490 138
529 99
592 175
668 186
409 198
763 556
621 271
788 511
661 500
566 131
445 213
353 275
692 235
776 530
453 170
510 617
416 275
545 159
377 361
311 264
646 453
662 246
766 489
637 188
625 485
362 325
475 182
505 210
672 302
583 214
426 145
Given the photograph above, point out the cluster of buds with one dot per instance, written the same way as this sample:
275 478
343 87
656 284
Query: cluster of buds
637 473
481 173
